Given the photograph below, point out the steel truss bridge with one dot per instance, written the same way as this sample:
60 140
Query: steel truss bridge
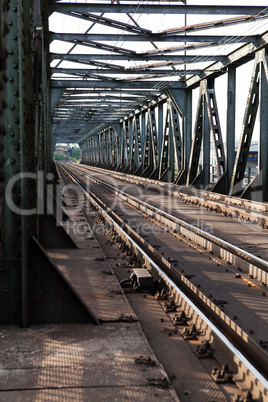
119 78
131 110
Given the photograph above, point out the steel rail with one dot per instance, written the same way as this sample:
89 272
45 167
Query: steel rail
256 266
252 211
248 377
230 200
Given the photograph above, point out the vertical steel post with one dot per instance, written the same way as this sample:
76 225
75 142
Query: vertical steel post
187 131
230 124
14 223
160 132
206 146
196 141
143 133
263 139
247 131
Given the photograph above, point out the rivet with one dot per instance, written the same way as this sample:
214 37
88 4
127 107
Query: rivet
17 120
15 65
12 107
15 37
12 134
10 23
10 52
14 9
11 79
16 93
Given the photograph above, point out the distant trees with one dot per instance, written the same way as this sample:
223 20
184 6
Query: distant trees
72 154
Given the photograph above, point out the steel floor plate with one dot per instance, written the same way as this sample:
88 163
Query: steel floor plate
94 281
78 362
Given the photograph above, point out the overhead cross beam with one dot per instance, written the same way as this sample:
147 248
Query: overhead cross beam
138 57
95 73
90 39
156 9
100 19
127 68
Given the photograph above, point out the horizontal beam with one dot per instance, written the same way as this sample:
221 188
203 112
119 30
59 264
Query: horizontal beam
156 85
98 98
89 71
89 103
141 57
155 9
153 37
103 91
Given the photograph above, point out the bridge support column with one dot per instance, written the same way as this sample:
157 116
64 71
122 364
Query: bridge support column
182 102
230 124
263 141
13 270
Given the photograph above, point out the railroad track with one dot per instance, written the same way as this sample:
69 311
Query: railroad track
254 267
249 372
234 207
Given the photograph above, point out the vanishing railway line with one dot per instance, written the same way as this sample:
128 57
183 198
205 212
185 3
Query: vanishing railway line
234 207
211 281
240 222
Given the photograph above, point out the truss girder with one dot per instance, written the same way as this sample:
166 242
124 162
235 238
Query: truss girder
149 143
207 108
196 141
155 136
108 70
156 9
215 128
247 131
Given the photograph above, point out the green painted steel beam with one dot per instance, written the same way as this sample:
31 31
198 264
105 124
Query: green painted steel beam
139 56
153 37
156 85
156 9
88 71
103 91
